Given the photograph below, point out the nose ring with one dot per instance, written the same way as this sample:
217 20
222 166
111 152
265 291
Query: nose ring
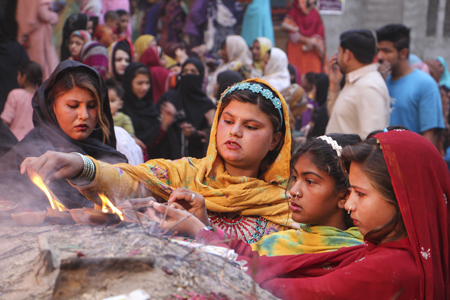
296 195
349 210
229 134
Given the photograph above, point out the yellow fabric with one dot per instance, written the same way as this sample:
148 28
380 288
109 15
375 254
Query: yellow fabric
309 239
170 61
141 44
265 45
246 196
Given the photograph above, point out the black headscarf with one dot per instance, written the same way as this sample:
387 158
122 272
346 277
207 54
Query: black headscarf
227 79
320 116
73 22
8 139
188 97
143 112
47 135
12 55
123 45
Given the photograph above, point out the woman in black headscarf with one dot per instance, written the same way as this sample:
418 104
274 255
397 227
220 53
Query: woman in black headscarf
71 114
120 56
195 113
150 124
320 115
73 22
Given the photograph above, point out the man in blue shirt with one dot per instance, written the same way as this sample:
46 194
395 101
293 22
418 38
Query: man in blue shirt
415 97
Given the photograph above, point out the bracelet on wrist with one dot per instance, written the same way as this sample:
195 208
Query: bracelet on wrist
87 174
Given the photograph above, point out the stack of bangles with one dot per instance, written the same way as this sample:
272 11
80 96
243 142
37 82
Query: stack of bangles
87 174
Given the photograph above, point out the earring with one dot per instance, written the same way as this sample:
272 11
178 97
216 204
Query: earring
349 210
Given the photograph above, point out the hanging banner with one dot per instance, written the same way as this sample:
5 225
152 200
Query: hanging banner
331 7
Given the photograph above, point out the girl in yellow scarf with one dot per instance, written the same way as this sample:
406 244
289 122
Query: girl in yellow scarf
243 177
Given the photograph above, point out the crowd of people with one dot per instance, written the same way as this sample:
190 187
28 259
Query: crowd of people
328 176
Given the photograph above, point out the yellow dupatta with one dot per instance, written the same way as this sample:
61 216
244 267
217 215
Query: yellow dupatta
265 45
223 193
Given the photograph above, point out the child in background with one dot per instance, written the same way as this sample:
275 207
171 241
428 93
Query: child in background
120 119
76 41
112 20
124 20
18 112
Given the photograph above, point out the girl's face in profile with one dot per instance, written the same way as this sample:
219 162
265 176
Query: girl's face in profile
244 136
314 200
76 113
121 61
369 210
140 85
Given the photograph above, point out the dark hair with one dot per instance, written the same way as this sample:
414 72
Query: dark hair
32 71
325 158
142 70
111 15
111 84
79 77
389 128
398 34
370 156
360 42
121 12
267 107
311 77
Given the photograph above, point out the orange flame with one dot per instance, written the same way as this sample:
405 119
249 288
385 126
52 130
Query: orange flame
107 205
51 197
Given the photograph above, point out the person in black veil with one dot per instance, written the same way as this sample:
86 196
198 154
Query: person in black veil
195 113
71 114
7 138
150 124
320 115
73 22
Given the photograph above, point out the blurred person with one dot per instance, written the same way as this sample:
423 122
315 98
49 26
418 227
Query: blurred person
444 79
77 39
112 20
124 22
296 76
236 56
306 44
150 124
363 104
121 54
36 20
188 134
75 22
95 55
12 55
105 35
259 48
417 104
171 15
320 114
308 81
257 22
8 139
196 22
18 112
435 69
224 81
142 43
115 94
275 69
67 108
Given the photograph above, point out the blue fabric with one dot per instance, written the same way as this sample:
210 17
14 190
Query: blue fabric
415 102
257 22
445 77
413 59
151 21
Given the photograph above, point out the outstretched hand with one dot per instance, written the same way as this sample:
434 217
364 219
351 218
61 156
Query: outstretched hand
192 202
52 166
176 219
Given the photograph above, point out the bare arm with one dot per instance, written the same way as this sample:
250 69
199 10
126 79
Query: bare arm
430 135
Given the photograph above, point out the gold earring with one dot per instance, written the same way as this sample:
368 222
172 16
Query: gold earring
349 210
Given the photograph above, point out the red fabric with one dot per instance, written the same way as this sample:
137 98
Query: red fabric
416 267
310 24
159 74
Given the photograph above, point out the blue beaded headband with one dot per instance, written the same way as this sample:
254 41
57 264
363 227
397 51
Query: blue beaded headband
256 88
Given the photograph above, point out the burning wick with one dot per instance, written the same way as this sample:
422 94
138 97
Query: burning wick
51 197
106 205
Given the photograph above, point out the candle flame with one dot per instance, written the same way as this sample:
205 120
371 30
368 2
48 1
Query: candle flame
51 198
107 205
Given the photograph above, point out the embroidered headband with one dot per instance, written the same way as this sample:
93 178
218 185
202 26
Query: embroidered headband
256 88
332 143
